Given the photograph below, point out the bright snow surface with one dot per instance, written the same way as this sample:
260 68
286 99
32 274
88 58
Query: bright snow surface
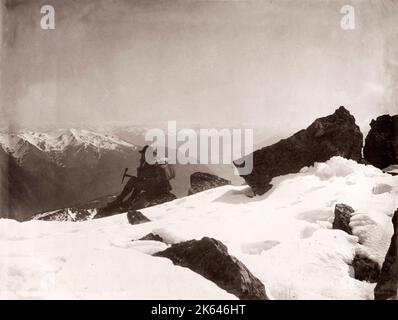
284 237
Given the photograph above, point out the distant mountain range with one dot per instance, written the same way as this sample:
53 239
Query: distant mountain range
42 171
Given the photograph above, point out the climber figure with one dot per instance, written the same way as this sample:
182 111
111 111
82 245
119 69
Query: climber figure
151 181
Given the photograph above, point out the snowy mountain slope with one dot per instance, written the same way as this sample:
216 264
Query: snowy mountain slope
89 266
284 237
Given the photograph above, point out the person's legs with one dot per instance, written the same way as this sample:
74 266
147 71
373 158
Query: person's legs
133 195
140 202
127 189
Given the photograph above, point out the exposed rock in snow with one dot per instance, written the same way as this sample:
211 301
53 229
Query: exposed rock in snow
387 286
136 217
210 258
152 237
365 269
201 181
82 212
381 143
67 214
334 135
91 211
342 217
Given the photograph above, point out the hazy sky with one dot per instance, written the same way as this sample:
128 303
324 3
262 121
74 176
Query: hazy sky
277 64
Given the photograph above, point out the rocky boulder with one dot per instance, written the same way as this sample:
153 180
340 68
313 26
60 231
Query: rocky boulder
136 217
381 143
334 135
210 258
342 217
166 197
365 269
153 237
201 181
387 284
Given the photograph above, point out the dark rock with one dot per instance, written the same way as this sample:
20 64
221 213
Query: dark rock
143 201
334 135
108 211
381 143
210 258
342 217
387 285
150 202
136 217
153 237
201 181
365 269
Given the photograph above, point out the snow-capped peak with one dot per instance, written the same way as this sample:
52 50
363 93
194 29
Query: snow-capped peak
58 141
98 140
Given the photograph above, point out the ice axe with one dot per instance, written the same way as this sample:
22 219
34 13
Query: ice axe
125 174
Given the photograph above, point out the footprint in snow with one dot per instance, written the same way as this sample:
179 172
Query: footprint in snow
361 225
308 231
381 188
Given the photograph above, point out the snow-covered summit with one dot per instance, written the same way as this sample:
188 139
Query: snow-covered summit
60 140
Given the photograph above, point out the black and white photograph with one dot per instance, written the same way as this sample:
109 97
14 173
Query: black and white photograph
198 150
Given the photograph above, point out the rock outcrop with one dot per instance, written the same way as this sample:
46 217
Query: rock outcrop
67 214
342 217
393 170
365 269
387 284
153 237
136 217
143 201
210 258
334 135
201 181
166 197
381 143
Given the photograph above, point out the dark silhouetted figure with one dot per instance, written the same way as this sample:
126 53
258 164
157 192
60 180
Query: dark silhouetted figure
150 182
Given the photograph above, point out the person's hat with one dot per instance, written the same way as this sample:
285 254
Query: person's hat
144 149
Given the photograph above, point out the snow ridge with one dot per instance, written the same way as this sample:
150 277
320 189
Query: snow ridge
59 141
